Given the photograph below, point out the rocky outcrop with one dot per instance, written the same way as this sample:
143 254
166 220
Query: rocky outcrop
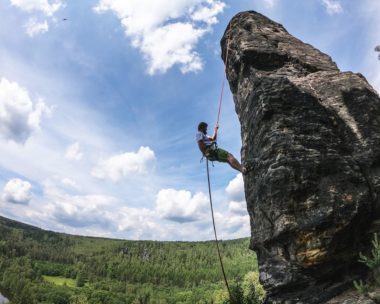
311 134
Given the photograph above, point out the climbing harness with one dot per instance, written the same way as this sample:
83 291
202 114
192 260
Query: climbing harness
211 152
216 237
213 156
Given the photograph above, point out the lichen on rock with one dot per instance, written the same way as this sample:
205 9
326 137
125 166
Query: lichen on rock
311 134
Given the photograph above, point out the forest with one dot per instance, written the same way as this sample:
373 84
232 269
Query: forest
38 266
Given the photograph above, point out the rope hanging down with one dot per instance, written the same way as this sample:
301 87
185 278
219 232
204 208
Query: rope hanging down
216 237
208 172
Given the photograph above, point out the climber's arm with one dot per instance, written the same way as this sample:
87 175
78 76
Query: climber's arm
215 135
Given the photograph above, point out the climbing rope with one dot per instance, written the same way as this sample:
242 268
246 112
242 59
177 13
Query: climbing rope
224 79
208 171
216 237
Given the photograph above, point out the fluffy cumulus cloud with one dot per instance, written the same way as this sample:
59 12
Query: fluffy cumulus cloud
138 222
33 27
165 31
78 210
332 6
180 205
81 211
44 6
238 208
17 191
126 164
73 152
47 8
235 188
178 214
234 225
19 116
235 219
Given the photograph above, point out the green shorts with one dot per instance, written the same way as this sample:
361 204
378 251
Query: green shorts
217 154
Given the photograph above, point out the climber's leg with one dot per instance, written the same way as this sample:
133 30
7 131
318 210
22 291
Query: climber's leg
234 163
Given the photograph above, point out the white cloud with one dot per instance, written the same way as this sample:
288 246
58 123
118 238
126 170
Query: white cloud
104 215
48 9
33 27
68 182
238 208
73 152
19 117
234 225
270 3
235 188
38 5
136 219
235 220
17 191
180 206
122 165
208 14
333 6
166 31
78 210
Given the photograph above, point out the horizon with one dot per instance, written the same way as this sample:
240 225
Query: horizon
99 104
119 239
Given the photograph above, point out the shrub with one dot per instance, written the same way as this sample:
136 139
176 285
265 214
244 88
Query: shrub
253 291
374 261
249 292
221 296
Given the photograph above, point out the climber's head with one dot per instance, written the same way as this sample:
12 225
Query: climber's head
202 127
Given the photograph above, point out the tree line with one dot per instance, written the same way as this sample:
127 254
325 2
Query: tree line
114 271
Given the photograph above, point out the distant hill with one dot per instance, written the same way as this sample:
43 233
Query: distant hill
39 266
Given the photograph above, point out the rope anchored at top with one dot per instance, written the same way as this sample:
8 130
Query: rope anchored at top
224 78
208 171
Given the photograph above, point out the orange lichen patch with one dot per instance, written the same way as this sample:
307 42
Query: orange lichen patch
311 248
347 197
305 240
311 257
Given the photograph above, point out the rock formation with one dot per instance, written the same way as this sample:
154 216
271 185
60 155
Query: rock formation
311 135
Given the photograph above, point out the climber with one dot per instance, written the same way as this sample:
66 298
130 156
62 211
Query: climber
377 49
209 149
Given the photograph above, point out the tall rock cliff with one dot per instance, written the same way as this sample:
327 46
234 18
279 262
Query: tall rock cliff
311 135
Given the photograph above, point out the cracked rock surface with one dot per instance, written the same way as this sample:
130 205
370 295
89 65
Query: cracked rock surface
311 134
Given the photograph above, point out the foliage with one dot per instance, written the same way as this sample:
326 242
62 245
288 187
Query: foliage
81 279
237 296
373 261
249 292
361 287
38 266
254 292
221 296
79 299
59 280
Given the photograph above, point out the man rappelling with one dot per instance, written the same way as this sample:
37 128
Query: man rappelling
210 150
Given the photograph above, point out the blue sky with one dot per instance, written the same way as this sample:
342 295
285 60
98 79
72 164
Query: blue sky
98 112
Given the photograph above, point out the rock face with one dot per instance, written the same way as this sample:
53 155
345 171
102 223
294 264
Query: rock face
311 135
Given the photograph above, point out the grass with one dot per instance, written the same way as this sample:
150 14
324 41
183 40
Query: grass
60 281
